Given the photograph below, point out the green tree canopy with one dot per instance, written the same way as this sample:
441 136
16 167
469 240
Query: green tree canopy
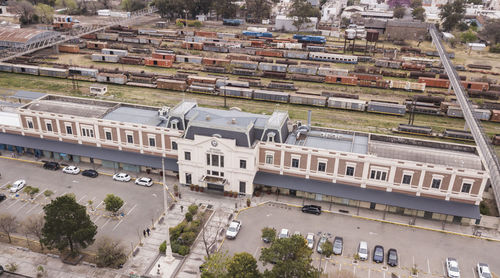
491 31
327 248
133 5
258 9
224 8
113 203
67 224
452 14
415 4
291 256
45 13
301 11
418 13
467 37
243 265
215 266
399 12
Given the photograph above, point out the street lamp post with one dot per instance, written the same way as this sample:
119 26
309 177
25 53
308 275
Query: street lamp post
169 258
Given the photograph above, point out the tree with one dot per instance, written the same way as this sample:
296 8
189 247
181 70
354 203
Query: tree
45 13
243 265
399 12
467 37
418 13
491 31
451 14
292 258
132 5
215 266
416 4
170 8
397 3
327 249
224 8
8 225
301 12
31 191
23 9
269 234
110 253
113 203
67 224
33 226
258 9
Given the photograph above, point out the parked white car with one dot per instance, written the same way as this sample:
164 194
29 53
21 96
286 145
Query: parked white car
310 240
452 268
144 181
121 177
233 229
71 170
17 185
284 234
363 251
483 270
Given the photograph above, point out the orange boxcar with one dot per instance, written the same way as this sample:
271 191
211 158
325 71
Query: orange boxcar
158 62
69 48
346 80
215 62
163 56
97 45
269 53
192 45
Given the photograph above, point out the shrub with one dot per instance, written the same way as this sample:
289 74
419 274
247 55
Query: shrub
188 238
495 48
163 247
193 209
175 232
189 216
12 267
183 250
179 24
483 208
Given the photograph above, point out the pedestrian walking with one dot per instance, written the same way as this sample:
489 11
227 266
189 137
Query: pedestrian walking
147 230
144 233
182 208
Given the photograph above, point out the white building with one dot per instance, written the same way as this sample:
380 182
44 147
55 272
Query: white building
286 24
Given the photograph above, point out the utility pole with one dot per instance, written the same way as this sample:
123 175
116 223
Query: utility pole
169 258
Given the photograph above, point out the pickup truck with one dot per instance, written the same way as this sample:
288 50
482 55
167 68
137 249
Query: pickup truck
233 229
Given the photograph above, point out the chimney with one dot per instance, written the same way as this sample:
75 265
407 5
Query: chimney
309 118
233 121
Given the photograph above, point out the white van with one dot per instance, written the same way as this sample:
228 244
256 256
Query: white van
363 250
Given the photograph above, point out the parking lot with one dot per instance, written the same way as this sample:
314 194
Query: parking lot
142 205
425 249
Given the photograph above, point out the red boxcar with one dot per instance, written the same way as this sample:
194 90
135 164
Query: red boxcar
434 82
158 62
346 80
269 53
192 45
215 62
479 86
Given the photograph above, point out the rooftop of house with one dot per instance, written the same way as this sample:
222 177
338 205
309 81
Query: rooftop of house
135 114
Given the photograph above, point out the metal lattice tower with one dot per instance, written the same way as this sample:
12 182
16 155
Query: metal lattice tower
485 150
14 52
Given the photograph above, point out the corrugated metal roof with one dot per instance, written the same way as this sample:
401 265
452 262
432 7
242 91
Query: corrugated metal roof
368 195
22 35
88 151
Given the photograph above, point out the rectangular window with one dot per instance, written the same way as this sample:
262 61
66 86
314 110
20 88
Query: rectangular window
406 179
29 122
243 164
87 131
379 175
187 155
49 127
321 167
174 145
269 159
188 178
69 129
108 135
215 173
208 159
349 171
152 142
466 187
215 160
295 163
130 139
436 183
221 161
243 186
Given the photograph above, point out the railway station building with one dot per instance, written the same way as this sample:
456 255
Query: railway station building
232 150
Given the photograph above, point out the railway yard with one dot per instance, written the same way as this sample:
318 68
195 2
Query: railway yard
373 91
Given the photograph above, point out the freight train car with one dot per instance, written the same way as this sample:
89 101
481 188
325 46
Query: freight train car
346 103
386 108
308 100
271 96
336 58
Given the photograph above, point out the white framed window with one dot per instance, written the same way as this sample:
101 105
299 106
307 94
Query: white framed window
29 123
379 174
108 135
407 177
175 124
295 163
322 165
269 158
350 169
436 181
87 131
187 155
152 140
69 128
130 137
174 145
466 186
48 125
271 137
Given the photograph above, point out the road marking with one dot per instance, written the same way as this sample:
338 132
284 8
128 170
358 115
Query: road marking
428 266
5 184
25 203
105 223
116 226
35 206
255 252
340 267
354 271
131 209
81 198
444 270
98 217
13 203
326 264
369 272
99 204
413 265
474 273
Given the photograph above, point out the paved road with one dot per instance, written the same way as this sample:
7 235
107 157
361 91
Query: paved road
141 207
426 249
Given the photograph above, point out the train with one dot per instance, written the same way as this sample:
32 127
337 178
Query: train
254 34
309 39
231 22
